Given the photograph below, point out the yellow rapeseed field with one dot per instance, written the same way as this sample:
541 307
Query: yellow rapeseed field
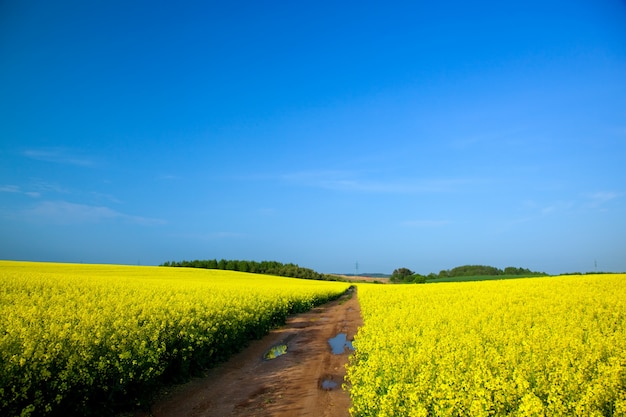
528 347
73 337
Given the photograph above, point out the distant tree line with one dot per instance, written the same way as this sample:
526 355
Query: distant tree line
475 270
405 275
264 267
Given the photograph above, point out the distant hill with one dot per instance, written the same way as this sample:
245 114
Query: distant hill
374 278
367 275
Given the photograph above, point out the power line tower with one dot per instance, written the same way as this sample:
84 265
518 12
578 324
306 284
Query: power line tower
356 269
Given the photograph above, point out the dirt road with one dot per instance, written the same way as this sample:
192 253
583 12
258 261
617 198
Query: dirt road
304 381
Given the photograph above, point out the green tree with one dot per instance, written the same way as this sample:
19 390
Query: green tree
400 275
243 266
418 279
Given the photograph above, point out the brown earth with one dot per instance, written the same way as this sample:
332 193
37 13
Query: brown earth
362 278
294 384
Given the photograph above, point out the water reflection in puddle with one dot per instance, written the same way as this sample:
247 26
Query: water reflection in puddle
339 344
275 351
329 385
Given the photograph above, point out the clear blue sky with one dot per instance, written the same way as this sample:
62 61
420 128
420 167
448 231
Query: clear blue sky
425 135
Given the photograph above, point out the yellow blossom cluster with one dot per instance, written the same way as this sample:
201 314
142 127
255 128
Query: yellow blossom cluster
526 347
74 337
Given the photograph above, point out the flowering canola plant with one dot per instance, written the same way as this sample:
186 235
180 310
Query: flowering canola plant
528 347
78 337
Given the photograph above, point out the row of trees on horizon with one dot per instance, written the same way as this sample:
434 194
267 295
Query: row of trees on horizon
405 275
400 275
265 267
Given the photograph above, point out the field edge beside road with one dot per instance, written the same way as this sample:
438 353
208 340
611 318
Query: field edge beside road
290 385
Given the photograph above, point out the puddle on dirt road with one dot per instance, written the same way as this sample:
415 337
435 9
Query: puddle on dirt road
330 382
275 351
339 344
329 385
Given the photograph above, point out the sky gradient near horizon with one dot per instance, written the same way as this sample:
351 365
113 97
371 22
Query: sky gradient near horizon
424 135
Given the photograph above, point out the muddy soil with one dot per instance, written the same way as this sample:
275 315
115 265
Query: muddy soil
304 381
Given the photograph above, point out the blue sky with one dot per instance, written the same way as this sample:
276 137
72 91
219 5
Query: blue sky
425 135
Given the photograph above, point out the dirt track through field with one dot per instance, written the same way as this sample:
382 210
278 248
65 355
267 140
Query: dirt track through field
305 381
